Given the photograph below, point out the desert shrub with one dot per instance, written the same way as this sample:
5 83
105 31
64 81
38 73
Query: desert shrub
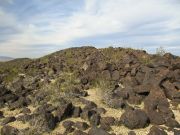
105 90
112 54
160 51
59 87
145 60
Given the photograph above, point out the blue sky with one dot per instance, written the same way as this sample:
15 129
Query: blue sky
33 28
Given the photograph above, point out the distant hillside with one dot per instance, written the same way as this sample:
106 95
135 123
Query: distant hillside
4 58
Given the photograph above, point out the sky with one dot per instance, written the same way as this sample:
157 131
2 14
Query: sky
33 28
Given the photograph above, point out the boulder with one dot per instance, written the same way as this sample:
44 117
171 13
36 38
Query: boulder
115 75
1 115
170 90
122 93
45 108
166 112
10 97
117 103
108 121
21 102
45 121
90 105
97 131
156 131
76 112
100 110
172 123
134 119
143 89
64 111
67 124
79 132
156 117
105 127
9 130
135 99
86 114
95 119
68 130
8 120
176 132
81 125
131 133
106 75
3 90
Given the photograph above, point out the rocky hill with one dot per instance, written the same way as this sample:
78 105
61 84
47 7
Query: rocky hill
89 91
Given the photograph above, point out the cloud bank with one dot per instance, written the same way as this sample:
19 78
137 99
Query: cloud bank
37 27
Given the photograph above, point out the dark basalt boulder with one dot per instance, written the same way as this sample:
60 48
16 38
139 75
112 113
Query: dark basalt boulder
176 132
100 110
45 121
131 133
81 125
8 120
155 99
172 123
166 112
76 112
68 131
1 115
116 103
170 91
122 93
67 124
79 132
106 123
134 119
135 99
45 108
10 97
97 131
115 75
22 85
89 106
156 117
3 90
64 111
21 102
95 119
142 89
105 127
86 114
156 131
9 130
106 75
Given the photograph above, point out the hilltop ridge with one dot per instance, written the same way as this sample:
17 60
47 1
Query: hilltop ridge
90 91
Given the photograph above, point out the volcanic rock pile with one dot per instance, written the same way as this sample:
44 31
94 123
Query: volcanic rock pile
144 87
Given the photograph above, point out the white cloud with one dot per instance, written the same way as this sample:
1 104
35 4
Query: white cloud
97 17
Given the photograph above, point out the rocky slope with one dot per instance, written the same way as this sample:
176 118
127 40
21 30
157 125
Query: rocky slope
89 91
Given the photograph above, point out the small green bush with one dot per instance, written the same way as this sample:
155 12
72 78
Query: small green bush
160 51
